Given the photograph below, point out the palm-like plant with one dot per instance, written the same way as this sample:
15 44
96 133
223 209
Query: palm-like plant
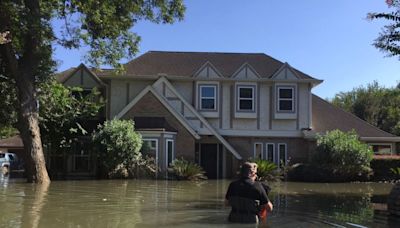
185 170
267 171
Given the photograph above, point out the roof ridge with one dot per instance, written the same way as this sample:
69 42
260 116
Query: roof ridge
351 114
206 52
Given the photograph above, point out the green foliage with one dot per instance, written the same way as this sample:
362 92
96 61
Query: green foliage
64 113
383 167
342 154
267 171
185 170
377 105
7 131
118 145
8 101
388 39
396 171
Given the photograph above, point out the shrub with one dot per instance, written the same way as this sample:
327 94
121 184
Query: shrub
118 147
382 167
267 171
185 170
342 154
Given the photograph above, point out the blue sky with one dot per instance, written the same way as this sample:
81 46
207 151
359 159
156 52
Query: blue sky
329 40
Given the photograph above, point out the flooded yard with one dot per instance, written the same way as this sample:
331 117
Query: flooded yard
148 203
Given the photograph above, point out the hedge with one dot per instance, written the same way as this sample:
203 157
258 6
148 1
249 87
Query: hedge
381 165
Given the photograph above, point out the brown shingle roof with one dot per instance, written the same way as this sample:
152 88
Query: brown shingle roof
12 142
327 117
187 63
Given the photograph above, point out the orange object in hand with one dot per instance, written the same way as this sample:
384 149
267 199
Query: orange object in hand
263 214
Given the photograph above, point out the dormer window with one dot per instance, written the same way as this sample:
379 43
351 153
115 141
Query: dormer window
208 97
285 99
245 98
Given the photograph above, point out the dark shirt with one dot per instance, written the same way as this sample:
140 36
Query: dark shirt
247 188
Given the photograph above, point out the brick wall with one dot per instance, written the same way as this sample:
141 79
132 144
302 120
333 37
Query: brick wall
150 106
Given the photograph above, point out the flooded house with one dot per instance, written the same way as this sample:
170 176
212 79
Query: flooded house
216 109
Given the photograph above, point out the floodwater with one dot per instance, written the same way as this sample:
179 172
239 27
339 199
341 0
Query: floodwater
151 203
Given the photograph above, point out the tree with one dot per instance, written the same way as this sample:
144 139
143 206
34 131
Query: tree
28 37
375 104
63 113
389 39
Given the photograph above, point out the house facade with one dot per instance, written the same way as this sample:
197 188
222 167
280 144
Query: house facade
219 109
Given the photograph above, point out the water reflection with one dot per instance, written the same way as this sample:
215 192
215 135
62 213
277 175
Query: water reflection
142 203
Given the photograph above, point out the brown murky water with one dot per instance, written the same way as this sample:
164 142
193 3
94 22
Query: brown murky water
147 203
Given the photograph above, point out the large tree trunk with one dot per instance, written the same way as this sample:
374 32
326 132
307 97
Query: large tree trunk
24 69
28 125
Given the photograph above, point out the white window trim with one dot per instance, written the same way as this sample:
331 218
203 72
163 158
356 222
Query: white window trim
383 144
279 87
238 98
255 147
166 151
156 149
214 86
273 151
279 153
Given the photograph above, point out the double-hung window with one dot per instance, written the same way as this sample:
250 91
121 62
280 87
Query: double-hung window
208 97
245 98
285 99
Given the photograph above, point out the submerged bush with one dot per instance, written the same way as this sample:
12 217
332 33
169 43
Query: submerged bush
267 171
118 147
185 170
342 154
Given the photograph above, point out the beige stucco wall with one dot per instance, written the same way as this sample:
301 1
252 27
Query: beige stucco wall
118 91
185 89
304 106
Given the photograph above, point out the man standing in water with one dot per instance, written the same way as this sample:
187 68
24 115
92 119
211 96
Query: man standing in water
246 196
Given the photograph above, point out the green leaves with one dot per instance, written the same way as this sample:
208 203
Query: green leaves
185 170
64 113
377 105
388 40
267 171
105 26
118 145
342 153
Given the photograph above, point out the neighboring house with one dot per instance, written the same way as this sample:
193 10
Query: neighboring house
13 145
218 109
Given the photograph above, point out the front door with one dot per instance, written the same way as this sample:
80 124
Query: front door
211 160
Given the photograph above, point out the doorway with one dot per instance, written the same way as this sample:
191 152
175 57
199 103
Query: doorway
211 160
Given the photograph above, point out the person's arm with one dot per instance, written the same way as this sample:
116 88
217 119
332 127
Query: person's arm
265 200
228 195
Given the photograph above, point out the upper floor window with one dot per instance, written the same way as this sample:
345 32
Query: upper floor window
208 97
245 98
286 99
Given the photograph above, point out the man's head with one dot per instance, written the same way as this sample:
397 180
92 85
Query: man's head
249 169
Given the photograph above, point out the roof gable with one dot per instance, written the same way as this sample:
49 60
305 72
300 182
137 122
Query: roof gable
286 72
208 71
246 71
80 76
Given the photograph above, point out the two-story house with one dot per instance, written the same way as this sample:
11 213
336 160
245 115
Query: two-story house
218 109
